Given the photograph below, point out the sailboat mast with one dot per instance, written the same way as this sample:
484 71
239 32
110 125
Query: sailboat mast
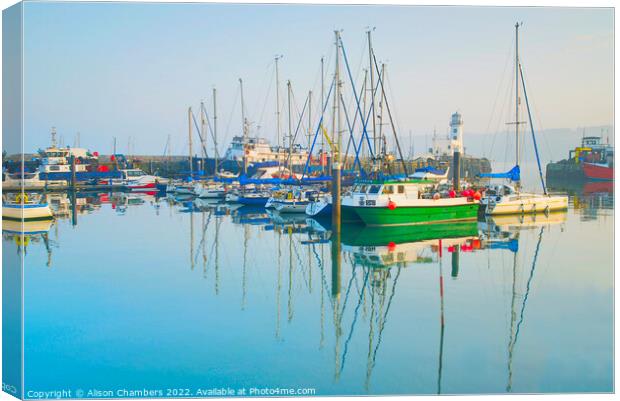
336 162
203 130
215 129
189 121
322 108
382 140
290 128
309 119
372 91
517 91
277 104
245 130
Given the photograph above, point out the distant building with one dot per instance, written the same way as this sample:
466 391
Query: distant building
447 144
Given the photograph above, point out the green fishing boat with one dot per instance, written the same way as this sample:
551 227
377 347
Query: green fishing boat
395 203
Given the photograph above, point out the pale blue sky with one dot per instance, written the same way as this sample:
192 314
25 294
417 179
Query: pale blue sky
132 69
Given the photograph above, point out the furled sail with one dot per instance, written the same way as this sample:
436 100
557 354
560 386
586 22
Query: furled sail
514 174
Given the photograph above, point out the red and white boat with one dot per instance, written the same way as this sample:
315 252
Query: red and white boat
137 180
598 171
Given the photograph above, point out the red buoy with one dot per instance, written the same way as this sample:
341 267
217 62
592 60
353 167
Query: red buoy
477 195
391 246
452 193
391 205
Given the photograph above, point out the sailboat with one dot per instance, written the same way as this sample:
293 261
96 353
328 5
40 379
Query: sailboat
508 199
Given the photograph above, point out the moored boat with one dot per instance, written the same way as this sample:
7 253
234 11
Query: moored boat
598 171
505 199
322 207
510 200
394 203
25 207
209 191
254 198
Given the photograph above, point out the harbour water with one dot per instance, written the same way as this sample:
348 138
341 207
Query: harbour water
135 292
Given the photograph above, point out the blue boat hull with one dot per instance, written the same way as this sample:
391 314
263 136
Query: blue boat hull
253 201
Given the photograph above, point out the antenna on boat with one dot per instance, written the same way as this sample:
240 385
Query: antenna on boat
53 137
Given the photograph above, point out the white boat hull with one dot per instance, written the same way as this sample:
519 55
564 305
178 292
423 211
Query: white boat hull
525 204
27 213
291 207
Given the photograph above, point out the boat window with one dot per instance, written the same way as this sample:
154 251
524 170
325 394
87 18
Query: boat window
374 189
388 189
401 189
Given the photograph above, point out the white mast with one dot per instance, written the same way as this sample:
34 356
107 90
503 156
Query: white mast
203 136
309 119
290 128
215 130
245 130
278 104
189 121
372 92
517 91
322 113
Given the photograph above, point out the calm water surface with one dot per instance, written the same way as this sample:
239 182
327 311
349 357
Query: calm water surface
134 292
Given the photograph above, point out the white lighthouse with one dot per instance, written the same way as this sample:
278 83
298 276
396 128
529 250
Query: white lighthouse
452 141
456 132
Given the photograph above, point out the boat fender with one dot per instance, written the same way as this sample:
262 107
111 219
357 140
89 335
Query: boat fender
452 193
391 246
391 205
477 195
436 196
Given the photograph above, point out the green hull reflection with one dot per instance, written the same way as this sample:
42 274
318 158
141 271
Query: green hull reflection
359 235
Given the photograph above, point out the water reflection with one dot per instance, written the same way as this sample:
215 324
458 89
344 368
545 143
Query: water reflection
354 289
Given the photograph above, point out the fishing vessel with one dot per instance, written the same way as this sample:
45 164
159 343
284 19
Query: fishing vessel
592 160
596 158
507 199
24 206
393 203
599 171
259 150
